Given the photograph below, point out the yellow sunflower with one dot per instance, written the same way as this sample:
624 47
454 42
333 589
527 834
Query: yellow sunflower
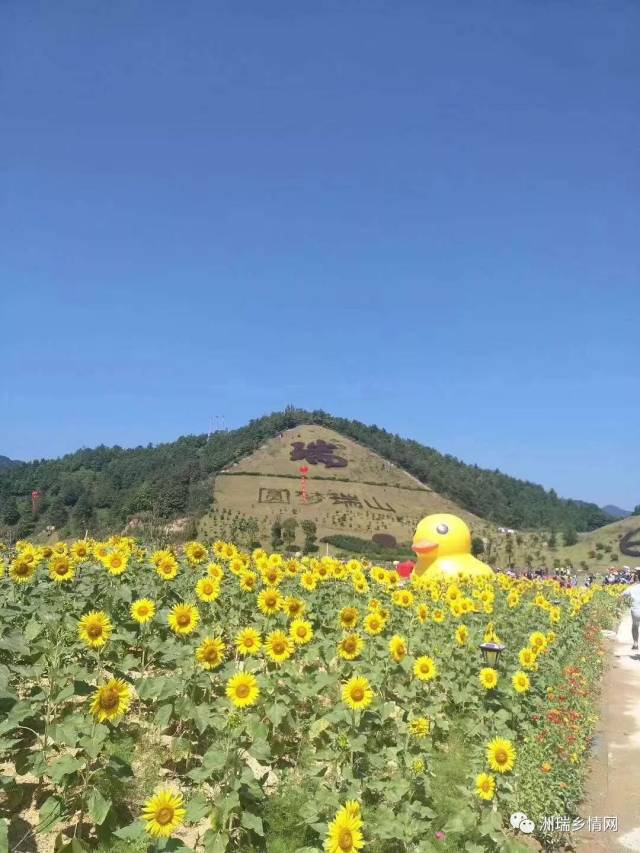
248 642
403 598
167 567
215 572
301 632
538 641
143 610
425 668
419 727
349 617
210 652
485 786
374 623
488 678
207 589
163 813
462 635
501 755
60 569
350 647
308 581
521 682
248 581
269 601
95 628
81 550
242 689
21 571
527 658
438 616
115 563
422 613
183 618
195 553
294 607
345 833
111 700
398 648
278 647
357 693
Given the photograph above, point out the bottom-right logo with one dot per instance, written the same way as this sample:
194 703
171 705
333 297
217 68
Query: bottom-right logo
519 820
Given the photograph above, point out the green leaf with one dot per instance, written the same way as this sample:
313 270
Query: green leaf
214 759
163 715
134 832
215 842
49 813
318 726
4 836
98 807
32 629
74 846
197 809
276 713
65 693
64 767
252 821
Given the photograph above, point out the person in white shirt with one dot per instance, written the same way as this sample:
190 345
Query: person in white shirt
632 594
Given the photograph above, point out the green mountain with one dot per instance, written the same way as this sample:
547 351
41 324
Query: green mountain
101 489
5 462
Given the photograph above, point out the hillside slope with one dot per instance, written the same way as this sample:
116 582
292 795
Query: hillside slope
101 489
349 491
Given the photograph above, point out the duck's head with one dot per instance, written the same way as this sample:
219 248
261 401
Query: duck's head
441 535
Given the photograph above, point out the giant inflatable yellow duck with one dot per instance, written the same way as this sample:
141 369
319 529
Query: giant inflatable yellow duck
442 543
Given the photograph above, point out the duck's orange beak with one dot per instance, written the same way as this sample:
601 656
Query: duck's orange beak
424 546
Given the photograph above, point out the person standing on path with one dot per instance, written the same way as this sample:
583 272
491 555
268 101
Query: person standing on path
632 593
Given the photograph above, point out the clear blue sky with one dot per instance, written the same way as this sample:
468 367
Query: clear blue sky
422 215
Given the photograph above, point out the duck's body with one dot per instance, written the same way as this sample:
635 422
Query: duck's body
442 543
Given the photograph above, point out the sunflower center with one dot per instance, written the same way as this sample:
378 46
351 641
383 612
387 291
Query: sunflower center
116 562
22 569
301 631
242 691
207 589
183 619
94 630
501 756
278 646
357 694
143 610
345 839
248 642
349 645
61 570
164 815
109 698
211 654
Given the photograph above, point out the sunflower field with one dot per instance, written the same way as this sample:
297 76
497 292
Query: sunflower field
211 700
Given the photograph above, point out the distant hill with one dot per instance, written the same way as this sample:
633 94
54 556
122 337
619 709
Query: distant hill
5 462
100 490
615 511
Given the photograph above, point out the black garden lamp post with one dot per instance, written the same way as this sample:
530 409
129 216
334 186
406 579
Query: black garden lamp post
491 653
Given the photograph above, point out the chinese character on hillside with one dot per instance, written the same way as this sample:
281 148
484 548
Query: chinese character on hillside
273 496
317 452
339 498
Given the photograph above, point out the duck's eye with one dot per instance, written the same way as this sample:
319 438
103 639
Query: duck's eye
442 529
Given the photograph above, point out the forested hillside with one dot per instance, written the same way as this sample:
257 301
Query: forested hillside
101 489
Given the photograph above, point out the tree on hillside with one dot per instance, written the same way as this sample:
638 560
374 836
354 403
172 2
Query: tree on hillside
310 531
477 545
552 541
276 535
11 513
570 536
289 526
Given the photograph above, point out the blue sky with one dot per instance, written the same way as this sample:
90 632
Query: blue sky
422 215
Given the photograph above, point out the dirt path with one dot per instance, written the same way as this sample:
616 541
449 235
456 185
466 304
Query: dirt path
614 784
